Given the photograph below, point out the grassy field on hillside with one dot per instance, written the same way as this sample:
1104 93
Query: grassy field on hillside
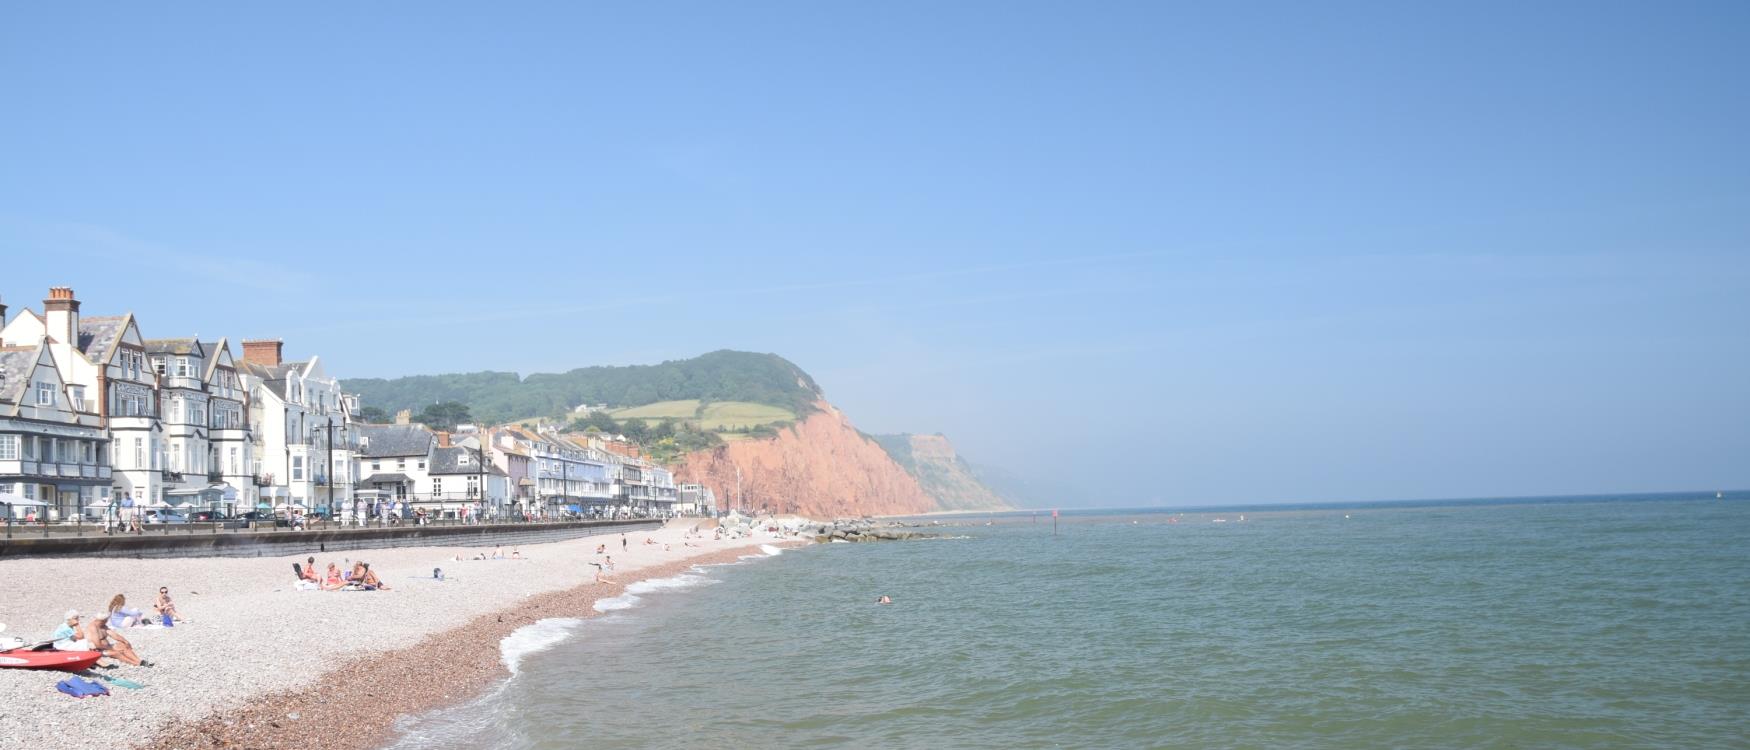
730 415
684 409
718 415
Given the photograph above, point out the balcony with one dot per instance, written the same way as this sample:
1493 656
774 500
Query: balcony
177 381
171 476
263 480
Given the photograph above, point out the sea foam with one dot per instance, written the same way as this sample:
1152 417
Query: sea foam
538 636
770 550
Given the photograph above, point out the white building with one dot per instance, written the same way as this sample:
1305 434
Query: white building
102 362
395 461
52 449
207 453
303 430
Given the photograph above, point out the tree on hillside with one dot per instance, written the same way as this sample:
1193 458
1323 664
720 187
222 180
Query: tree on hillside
373 415
636 430
445 415
597 419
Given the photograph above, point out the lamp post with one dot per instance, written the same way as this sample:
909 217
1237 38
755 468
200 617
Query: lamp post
331 512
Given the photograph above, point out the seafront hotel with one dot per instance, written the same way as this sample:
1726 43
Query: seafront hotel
97 421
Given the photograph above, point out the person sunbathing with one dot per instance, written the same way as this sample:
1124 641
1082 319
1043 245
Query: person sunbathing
370 581
310 571
163 606
102 639
333 581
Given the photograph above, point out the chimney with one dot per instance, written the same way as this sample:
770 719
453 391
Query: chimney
405 416
61 315
264 352
443 439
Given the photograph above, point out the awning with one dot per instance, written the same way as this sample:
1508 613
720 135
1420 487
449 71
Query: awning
385 479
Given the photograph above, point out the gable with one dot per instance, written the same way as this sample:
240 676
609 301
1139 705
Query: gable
131 334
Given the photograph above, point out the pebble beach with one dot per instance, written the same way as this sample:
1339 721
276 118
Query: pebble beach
261 664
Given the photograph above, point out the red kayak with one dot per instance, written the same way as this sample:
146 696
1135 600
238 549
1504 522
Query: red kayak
71 661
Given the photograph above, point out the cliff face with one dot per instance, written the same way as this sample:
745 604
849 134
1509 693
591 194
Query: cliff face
949 479
822 468
945 477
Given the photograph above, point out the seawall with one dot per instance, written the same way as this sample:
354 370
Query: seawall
277 543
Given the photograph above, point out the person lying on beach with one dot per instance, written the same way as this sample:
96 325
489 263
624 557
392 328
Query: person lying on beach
98 635
516 554
600 548
599 578
648 540
163 606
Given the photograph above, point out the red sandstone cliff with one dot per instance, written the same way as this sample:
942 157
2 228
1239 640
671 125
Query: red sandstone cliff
822 468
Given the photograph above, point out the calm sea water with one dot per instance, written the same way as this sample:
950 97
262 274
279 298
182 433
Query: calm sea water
1596 624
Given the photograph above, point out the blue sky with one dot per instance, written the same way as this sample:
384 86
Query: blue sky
1140 253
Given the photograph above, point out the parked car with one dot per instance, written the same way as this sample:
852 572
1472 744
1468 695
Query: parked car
210 515
165 516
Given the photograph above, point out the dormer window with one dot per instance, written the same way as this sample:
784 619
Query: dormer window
182 368
462 460
45 393
158 366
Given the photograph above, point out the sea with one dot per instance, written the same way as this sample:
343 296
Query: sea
1599 622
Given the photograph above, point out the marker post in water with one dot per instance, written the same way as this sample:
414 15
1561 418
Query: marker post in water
1054 522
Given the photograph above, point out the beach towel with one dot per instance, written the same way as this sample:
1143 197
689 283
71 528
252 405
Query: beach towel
79 687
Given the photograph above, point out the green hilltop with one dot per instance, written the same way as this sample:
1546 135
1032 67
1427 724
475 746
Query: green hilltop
492 397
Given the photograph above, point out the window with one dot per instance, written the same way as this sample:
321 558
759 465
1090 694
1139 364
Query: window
77 393
297 468
8 448
233 463
175 457
437 486
473 486
176 410
422 465
462 460
182 368
45 393
400 463
376 465
158 366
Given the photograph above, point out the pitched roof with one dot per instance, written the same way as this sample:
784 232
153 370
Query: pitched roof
172 346
383 440
98 333
272 377
448 461
16 365
389 477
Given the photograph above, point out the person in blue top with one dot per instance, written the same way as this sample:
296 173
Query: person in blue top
67 636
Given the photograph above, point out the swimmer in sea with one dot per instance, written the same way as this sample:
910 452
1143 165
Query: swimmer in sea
884 600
